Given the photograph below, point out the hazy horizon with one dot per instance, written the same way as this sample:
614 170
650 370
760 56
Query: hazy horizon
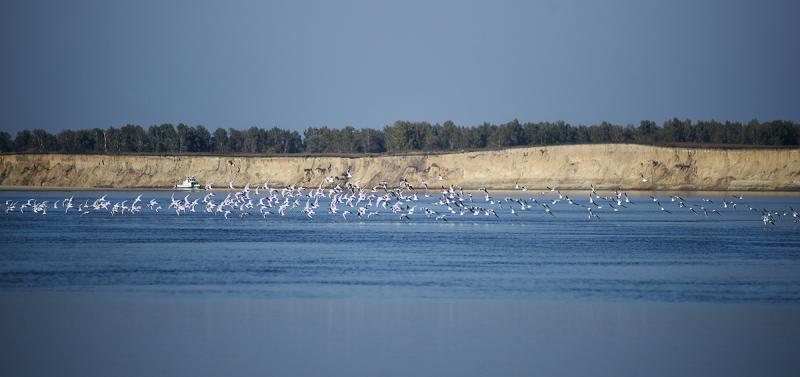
88 64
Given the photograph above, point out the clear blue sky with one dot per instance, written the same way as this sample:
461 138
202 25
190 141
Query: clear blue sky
294 64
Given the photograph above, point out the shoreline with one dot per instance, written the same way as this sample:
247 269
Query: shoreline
436 192
570 167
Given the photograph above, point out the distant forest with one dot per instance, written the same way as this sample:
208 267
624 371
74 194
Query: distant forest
402 136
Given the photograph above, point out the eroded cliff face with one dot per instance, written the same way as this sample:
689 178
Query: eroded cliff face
607 166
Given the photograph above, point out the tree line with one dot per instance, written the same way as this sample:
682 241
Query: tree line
402 136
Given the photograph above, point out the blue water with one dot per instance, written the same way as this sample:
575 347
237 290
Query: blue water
639 253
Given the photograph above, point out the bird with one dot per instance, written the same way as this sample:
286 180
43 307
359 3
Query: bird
401 199
767 219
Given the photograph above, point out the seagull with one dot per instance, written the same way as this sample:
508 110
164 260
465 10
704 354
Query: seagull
350 199
644 179
767 219
626 198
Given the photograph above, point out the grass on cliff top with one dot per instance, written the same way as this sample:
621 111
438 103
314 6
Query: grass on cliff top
421 152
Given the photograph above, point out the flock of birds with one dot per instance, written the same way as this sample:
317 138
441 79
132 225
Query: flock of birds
352 201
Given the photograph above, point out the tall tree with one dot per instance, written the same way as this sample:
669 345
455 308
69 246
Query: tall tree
45 141
202 139
646 132
6 144
220 141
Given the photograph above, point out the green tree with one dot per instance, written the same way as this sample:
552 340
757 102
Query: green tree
451 137
373 141
751 133
114 140
132 139
184 137
647 132
23 142
45 141
220 141
6 144
314 140
676 130
235 140
507 135
202 139
778 132
68 141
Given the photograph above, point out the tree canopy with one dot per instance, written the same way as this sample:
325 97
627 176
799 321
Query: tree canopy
402 136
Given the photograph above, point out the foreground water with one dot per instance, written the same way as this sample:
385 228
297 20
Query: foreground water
638 253
635 292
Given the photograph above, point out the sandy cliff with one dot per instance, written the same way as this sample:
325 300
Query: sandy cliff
570 167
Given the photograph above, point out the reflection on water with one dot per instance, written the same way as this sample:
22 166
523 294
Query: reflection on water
134 334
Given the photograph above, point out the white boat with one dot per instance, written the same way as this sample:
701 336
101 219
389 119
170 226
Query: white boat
190 183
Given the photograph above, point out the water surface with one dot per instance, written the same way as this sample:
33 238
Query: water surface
635 292
638 253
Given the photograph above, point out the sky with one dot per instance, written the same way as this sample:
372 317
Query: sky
295 64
